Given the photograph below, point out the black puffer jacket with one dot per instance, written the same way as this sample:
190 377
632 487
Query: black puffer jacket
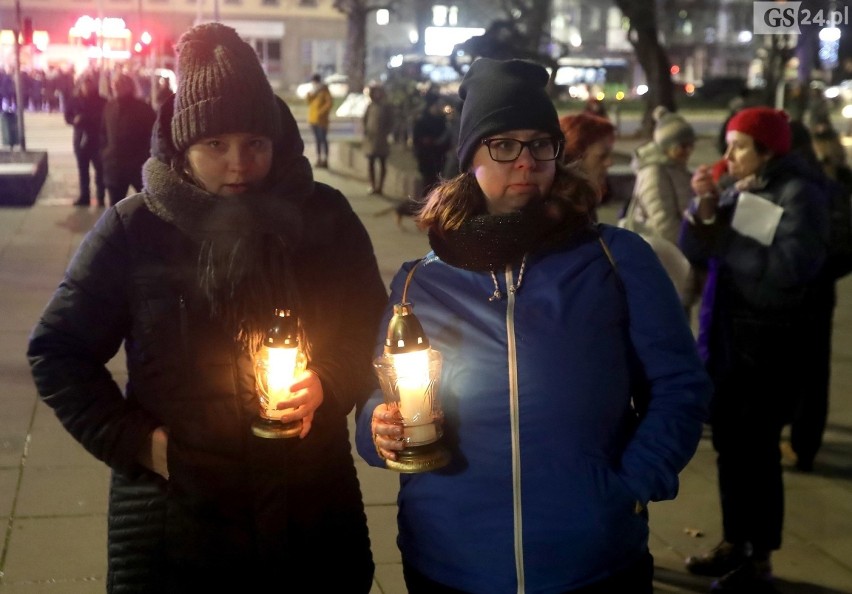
238 512
125 132
760 300
87 127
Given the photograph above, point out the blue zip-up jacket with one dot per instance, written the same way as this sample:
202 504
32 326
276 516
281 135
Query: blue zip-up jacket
549 461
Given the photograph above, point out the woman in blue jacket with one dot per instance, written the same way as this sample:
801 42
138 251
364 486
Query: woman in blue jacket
545 340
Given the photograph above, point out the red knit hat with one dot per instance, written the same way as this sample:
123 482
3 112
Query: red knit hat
770 127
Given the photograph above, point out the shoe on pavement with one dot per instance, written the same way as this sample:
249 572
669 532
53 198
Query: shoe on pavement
81 202
751 577
724 558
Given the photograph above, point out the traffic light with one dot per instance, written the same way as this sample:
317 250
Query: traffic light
27 31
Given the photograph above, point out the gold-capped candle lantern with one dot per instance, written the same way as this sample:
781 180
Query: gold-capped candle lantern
409 373
277 363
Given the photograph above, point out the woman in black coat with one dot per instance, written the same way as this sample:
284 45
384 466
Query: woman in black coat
188 274
765 240
85 110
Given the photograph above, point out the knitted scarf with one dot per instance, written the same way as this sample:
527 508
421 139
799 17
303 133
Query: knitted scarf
244 243
489 242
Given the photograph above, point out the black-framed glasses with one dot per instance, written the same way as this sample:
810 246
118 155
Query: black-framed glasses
504 150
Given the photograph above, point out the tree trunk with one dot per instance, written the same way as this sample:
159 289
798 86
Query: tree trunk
652 56
356 48
538 24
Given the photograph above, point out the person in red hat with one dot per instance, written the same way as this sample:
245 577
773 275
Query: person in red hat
764 239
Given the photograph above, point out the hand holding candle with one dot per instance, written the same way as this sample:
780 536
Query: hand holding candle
305 397
278 362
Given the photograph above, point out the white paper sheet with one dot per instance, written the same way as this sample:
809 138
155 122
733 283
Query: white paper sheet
756 217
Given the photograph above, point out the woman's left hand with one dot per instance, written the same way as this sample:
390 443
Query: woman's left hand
307 397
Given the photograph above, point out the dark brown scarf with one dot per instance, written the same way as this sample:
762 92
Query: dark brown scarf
245 244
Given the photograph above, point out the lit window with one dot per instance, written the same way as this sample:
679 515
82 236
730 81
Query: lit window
439 15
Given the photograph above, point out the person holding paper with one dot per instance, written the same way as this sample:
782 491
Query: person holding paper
764 240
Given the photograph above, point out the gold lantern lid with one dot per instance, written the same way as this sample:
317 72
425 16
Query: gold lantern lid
405 334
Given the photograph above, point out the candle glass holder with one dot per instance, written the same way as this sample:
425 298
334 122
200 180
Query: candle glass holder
409 373
277 364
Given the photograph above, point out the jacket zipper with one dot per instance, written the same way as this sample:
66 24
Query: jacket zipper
515 430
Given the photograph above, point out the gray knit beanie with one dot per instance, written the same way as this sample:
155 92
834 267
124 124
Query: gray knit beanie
222 88
500 96
671 129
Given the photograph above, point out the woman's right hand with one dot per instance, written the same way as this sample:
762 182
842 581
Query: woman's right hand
386 427
702 182
154 455
707 191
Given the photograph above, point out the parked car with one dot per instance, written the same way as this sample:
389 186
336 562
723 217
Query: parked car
721 88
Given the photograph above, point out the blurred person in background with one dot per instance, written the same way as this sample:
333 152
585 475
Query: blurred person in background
825 152
589 142
320 103
765 240
125 138
84 111
378 125
662 191
661 194
430 140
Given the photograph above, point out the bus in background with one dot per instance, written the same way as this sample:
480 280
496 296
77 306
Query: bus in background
600 78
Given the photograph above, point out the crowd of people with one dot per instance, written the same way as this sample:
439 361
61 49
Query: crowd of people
42 90
574 389
48 89
112 134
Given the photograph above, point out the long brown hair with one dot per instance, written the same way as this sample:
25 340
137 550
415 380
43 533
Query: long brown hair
454 200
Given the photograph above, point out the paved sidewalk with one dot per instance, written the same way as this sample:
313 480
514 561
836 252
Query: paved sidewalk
53 494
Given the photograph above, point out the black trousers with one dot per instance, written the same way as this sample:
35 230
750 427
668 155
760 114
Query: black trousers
85 157
636 579
770 364
321 139
118 186
808 426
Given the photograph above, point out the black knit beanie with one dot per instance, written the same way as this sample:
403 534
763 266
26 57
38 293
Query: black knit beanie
500 96
222 88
